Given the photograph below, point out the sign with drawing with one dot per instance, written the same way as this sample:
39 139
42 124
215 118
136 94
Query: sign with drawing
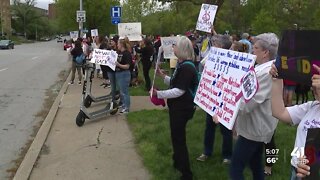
227 79
167 45
206 17
130 30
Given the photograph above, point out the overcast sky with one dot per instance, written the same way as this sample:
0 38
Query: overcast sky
43 3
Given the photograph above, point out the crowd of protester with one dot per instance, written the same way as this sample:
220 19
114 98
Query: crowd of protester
257 120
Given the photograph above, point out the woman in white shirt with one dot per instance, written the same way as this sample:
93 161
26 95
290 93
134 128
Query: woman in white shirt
305 116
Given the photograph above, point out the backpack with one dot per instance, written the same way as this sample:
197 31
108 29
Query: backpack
80 58
194 90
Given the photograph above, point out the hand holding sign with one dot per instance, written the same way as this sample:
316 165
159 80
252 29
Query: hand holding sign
316 82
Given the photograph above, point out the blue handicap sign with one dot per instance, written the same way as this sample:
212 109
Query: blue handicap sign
115 20
116 12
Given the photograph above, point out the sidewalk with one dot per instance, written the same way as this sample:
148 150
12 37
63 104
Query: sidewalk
100 149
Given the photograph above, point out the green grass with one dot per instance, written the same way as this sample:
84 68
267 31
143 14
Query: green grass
152 137
140 89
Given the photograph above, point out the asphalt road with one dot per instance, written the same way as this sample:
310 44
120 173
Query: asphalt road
26 73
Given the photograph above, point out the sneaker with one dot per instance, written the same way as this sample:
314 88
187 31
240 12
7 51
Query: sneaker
226 161
124 111
202 157
71 83
79 83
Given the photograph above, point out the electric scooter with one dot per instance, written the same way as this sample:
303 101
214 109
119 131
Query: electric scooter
110 108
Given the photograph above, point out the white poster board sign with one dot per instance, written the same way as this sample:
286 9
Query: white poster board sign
206 17
94 32
74 34
130 30
166 43
228 77
105 57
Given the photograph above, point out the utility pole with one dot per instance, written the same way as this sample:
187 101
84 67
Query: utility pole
80 22
1 23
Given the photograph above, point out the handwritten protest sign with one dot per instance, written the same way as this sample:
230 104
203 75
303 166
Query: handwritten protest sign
227 77
206 17
74 34
166 43
105 57
298 51
130 30
94 32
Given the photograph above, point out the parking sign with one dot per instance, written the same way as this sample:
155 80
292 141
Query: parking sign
81 16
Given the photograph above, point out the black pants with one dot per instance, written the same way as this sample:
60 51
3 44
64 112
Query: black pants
146 69
271 145
178 122
104 70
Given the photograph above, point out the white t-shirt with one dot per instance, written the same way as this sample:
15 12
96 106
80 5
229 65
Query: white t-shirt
307 116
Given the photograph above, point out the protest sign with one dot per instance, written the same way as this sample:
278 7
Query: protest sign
298 51
130 30
206 17
227 77
94 32
105 57
74 34
166 43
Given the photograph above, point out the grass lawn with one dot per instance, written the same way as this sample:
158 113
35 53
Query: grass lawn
152 137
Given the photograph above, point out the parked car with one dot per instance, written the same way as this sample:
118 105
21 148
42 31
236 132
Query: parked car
6 44
67 45
59 40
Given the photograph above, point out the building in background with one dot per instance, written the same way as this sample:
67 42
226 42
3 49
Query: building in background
5 17
52 11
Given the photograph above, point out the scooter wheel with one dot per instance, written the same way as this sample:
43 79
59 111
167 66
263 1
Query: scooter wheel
80 119
87 102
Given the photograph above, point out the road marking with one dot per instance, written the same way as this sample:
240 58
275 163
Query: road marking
3 69
35 58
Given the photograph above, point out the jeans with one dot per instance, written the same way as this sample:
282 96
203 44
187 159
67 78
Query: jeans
209 136
247 152
73 71
113 84
178 122
146 69
123 81
294 174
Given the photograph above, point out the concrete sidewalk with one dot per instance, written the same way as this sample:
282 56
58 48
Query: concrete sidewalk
101 149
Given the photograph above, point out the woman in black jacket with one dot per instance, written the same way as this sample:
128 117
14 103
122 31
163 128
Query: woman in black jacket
146 49
76 51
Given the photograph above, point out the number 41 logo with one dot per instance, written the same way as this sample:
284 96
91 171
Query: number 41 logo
298 152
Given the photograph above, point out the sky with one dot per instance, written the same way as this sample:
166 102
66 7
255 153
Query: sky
43 3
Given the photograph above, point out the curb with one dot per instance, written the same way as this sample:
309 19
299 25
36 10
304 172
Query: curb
31 156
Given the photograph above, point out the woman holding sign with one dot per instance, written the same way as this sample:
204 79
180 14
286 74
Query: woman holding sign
180 103
305 116
123 75
255 124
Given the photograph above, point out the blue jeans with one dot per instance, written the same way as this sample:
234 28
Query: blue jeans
294 174
247 152
113 84
123 80
209 136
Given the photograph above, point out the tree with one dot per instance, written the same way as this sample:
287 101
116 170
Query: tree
97 15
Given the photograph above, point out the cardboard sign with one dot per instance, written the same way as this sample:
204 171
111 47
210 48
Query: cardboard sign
130 30
298 51
227 77
94 32
105 57
167 43
206 17
74 34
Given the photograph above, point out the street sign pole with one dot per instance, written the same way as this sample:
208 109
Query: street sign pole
80 22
